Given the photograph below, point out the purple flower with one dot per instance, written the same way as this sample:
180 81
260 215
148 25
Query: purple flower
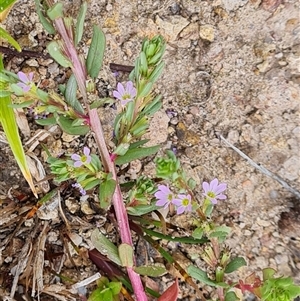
81 190
82 160
213 190
125 95
164 196
183 203
25 81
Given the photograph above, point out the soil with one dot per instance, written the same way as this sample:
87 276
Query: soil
232 72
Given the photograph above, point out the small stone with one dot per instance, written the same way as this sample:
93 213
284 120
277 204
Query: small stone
263 223
68 138
207 33
72 205
291 170
32 63
85 206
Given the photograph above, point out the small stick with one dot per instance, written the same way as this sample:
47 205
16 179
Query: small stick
23 53
122 68
264 170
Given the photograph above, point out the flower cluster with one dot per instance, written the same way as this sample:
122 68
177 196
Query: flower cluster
82 160
212 191
166 197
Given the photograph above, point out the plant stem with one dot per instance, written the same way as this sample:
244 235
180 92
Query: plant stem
118 203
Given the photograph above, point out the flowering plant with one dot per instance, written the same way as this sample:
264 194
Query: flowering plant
133 204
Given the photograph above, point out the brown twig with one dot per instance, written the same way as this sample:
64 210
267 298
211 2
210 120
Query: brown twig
23 53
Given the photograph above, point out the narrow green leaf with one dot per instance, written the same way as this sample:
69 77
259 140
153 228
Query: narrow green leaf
9 125
200 275
137 153
4 4
70 94
198 233
106 191
145 90
46 121
150 270
21 105
105 246
96 52
115 287
156 73
54 50
80 23
44 21
126 255
235 264
66 124
141 209
6 36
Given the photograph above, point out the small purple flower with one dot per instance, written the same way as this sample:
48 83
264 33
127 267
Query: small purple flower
213 190
82 160
183 203
25 81
164 196
125 95
81 190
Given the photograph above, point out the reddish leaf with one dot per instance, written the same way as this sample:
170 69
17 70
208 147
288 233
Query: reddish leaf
171 293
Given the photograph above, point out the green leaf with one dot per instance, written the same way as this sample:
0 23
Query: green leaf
105 246
101 102
44 21
6 36
9 125
55 51
198 233
106 191
231 296
21 105
66 124
46 121
96 52
70 94
115 287
145 90
56 11
4 4
156 73
200 275
80 23
126 255
137 153
235 264
141 209
268 273
150 270
153 107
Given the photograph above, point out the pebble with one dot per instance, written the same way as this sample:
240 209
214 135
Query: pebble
207 33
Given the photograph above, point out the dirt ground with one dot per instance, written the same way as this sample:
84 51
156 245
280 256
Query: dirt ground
233 71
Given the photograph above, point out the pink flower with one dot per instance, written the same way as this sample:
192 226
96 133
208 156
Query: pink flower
82 160
125 94
25 81
183 203
164 196
213 190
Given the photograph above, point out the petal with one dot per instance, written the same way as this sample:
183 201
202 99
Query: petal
213 184
188 208
180 210
222 197
121 89
164 189
124 102
160 195
214 201
77 164
76 157
88 160
177 202
129 86
30 76
205 187
161 203
22 77
117 95
86 151
222 187
24 87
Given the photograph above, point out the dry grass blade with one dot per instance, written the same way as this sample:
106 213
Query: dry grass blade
38 266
